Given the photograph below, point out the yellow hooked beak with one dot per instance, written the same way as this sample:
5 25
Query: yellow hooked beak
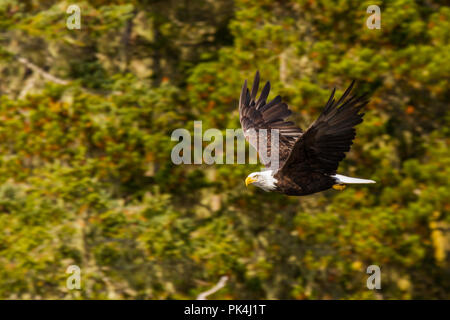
249 180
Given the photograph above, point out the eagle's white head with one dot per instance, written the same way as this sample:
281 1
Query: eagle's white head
263 180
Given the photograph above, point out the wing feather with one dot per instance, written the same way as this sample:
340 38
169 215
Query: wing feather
255 86
324 143
257 114
263 96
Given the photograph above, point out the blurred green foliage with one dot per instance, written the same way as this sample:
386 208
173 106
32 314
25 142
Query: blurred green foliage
85 170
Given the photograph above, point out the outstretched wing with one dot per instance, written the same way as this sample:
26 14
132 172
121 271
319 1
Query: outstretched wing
257 114
324 143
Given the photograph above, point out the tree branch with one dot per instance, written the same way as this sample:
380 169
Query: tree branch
42 72
222 282
57 80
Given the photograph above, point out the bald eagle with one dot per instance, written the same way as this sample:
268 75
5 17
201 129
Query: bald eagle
307 160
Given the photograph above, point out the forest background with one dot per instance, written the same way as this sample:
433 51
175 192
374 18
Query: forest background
86 178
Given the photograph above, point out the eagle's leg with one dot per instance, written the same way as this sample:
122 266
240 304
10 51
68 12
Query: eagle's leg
339 187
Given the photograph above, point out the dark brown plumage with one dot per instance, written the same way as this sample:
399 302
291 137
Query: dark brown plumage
307 161
257 115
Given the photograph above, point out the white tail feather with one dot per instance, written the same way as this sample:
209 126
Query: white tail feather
343 179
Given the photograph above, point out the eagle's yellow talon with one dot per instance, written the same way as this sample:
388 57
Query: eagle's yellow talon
339 187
